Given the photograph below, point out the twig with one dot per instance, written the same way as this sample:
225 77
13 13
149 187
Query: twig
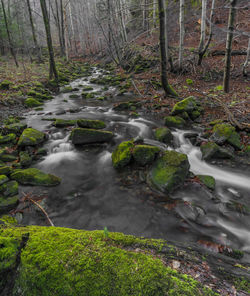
136 88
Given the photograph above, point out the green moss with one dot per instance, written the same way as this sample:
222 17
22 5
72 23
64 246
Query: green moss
31 102
226 133
187 105
6 170
25 159
163 134
3 179
35 177
31 137
174 121
67 89
5 85
64 122
189 81
87 136
87 123
145 154
207 180
9 189
74 96
212 150
5 156
60 261
122 154
87 88
15 128
7 204
10 138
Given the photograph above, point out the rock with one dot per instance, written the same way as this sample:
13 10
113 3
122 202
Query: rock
9 188
3 179
223 133
15 128
169 171
187 105
10 138
88 136
5 85
64 122
209 181
67 89
131 105
87 123
122 155
74 96
25 159
145 154
163 134
31 102
6 170
174 121
87 88
7 156
33 176
31 137
211 150
8 204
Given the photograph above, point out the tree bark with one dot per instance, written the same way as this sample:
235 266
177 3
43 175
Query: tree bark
52 64
244 70
230 29
8 35
62 28
166 86
203 27
182 33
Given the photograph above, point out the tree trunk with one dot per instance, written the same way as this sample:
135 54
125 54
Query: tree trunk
34 33
203 25
182 33
49 40
62 28
230 30
166 86
244 70
8 35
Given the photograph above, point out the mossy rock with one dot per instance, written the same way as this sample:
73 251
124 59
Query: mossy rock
87 88
15 128
25 159
9 188
88 123
6 170
67 89
61 261
5 156
163 134
5 85
31 102
169 171
31 137
226 133
64 122
131 105
187 105
88 136
174 121
10 138
208 181
145 154
6 204
3 179
122 155
211 150
35 177
74 96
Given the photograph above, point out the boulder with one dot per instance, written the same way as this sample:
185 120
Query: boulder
169 171
35 177
31 102
87 123
15 128
187 105
25 159
122 155
8 204
6 170
31 137
3 179
211 150
88 136
64 122
174 121
163 134
9 188
7 156
10 138
145 154
208 181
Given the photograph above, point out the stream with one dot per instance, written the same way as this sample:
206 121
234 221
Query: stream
92 196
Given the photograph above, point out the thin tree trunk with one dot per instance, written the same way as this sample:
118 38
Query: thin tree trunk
34 33
154 13
62 28
203 25
66 37
244 70
182 33
49 40
8 35
230 29
211 25
57 19
166 86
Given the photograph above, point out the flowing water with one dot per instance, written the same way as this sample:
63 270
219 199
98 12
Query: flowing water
92 196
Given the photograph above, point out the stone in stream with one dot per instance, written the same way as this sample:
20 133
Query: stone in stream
211 150
6 170
10 138
163 134
64 122
169 171
31 137
8 156
15 128
145 154
122 155
88 136
87 123
174 121
35 177
208 181
8 203
25 159
9 188
31 102
3 179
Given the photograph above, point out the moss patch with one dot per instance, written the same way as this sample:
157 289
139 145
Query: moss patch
31 102
226 133
211 150
31 137
122 154
209 181
87 123
64 122
145 154
174 121
163 134
10 138
87 136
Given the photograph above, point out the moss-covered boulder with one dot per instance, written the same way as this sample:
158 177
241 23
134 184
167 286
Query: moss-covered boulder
88 136
25 159
31 102
67 89
87 123
187 105
61 261
7 156
31 137
10 138
9 188
6 170
145 154
122 155
6 204
208 181
226 133
3 179
15 128
130 105
211 150
169 171
35 177
87 88
64 122
174 121
163 134
5 84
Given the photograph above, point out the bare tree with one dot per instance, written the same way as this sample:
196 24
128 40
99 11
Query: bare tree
244 70
182 33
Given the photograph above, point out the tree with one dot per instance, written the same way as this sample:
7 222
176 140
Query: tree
166 86
52 64
230 30
182 33
244 70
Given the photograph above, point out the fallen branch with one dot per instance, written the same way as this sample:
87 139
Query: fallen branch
136 88
222 52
